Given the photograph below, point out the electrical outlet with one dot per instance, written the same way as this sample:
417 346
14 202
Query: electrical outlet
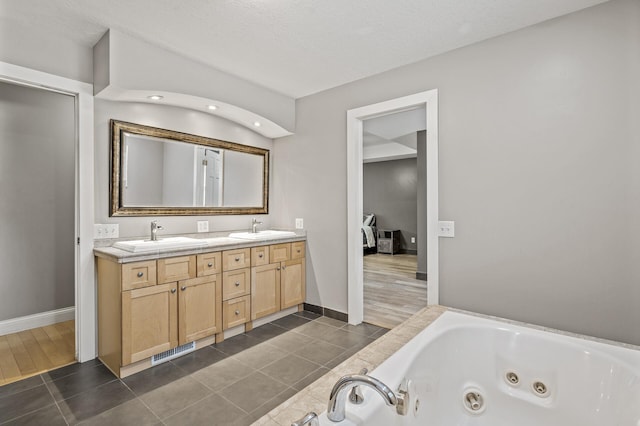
203 226
103 231
413 240
299 223
446 228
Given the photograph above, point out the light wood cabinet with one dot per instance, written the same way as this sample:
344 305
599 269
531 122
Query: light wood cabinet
236 283
138 275
149 307
280 284
279 252
149 321
174 269
236 259
199 311
208 264
292 283
265 290
259 256
236 311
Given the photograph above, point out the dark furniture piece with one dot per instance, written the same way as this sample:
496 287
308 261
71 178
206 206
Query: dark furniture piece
388 241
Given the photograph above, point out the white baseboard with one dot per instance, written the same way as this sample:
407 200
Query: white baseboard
42 319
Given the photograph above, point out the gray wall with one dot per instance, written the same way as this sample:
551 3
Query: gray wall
390 191
37 163
172 118
20 45
538 153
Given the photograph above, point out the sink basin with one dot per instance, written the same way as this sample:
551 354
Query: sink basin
138 246
262 235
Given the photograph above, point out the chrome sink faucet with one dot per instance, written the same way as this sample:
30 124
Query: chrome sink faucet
338 395
154 230
254 225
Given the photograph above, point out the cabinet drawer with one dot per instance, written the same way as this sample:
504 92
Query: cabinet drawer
297 250
236 311
260 256
208 264
176 268
236 283
138 275
236 259
279 252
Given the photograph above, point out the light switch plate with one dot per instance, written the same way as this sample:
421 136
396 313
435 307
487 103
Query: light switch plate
103 231
413 240
446 228
299 223
203 226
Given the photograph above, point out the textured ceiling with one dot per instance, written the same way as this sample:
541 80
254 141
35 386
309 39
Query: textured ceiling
296 47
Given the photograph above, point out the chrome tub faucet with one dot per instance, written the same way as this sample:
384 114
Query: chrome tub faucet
338 396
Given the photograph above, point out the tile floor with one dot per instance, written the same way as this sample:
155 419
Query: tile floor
231 383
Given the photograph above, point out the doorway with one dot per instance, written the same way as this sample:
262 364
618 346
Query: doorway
75 237
355 126
393 201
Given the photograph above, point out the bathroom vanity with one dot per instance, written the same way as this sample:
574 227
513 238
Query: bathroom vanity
153 305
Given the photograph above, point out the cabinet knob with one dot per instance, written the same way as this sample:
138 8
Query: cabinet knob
209 264
173 290
237 259
261 255
183 288
237 283
278 268
298 250
283 267
237 312
140 274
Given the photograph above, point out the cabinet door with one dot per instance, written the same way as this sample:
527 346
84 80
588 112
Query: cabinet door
149 321
279 252
176 268
265 290
199 308
293 283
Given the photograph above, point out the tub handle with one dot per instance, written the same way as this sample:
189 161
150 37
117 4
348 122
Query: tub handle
311 419
403 397
355 396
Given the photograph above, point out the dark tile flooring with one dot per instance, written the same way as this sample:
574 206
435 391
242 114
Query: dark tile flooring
231 383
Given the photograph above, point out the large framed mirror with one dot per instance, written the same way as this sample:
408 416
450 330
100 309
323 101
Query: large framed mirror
162 172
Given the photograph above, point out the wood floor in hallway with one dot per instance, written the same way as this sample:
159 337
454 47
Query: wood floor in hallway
35 351
391 292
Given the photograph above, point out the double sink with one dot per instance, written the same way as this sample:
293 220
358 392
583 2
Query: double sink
138 246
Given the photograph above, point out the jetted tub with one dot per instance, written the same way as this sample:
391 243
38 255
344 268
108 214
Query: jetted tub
472 371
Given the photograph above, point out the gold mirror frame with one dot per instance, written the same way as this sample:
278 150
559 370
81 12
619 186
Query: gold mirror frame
116 207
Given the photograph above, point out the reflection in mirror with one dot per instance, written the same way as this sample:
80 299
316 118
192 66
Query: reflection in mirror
157 171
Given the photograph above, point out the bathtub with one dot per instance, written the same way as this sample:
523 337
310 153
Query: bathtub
472 371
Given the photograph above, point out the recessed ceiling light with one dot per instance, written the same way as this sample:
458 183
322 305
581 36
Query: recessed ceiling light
155 97
212 107
256 123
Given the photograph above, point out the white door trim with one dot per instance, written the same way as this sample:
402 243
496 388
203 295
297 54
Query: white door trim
85 294
355 117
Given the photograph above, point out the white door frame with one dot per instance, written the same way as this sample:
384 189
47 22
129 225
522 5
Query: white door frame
85 293
355 117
